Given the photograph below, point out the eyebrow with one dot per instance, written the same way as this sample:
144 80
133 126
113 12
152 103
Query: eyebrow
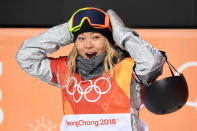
95 33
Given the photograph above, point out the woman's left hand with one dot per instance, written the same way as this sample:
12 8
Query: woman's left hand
148 60
120 31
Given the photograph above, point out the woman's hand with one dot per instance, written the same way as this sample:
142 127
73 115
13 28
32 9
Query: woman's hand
120 31
32 55
148 60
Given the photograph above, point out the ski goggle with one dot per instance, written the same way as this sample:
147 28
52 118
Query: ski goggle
96 18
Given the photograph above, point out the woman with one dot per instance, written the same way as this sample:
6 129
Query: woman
100 83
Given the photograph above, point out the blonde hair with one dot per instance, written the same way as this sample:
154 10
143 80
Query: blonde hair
108 63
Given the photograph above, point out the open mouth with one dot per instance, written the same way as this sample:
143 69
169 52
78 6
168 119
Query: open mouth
91 54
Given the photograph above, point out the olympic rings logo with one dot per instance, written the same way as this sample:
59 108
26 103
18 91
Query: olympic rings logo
93 87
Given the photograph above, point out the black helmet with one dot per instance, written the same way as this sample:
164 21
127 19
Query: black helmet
167 95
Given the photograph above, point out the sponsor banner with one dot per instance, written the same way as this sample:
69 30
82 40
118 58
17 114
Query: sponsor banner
28 104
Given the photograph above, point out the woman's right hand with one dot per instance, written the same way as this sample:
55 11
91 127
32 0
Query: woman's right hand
67 36
32 55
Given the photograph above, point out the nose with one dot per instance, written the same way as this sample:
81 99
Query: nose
89 44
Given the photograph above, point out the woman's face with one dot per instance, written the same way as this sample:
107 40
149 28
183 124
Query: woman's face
90 44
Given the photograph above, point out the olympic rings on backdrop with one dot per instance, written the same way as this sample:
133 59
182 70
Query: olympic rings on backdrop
89 89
